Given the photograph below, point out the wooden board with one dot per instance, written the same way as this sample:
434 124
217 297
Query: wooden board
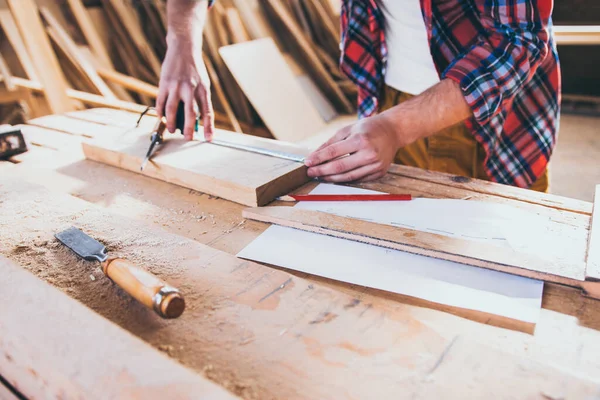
239 176
593 256
55 347
14 37
425 243
48 70
263 332
268 82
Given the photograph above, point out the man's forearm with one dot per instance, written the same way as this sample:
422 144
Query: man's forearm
439 107
186 19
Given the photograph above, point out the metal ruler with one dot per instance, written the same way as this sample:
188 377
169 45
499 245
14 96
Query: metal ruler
259 150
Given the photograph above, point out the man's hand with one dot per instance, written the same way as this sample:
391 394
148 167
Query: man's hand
184 76
359 152
364 151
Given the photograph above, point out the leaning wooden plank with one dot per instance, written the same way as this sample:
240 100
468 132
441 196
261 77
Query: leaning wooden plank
253 19
219 91
69 47
428 244
317 71
593 256
48 70
237 31
89 31
130 20
496 189
128 82
235 175
14 37
262 332
54 346
285 108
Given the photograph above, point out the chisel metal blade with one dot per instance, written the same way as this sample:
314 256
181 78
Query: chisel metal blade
81 244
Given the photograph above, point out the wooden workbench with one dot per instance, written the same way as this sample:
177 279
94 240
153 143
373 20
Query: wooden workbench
567 336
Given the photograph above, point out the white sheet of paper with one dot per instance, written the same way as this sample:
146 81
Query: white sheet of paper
431 279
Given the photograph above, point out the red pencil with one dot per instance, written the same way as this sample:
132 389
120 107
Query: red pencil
347 197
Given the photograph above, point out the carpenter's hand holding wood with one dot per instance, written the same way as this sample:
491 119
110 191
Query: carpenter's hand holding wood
184 76
369 145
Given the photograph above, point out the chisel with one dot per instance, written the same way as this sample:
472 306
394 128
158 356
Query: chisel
148 289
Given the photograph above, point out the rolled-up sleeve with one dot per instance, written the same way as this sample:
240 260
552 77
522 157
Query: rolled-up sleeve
506 56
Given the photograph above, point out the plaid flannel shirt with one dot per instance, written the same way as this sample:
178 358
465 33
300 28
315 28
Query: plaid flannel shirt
500 52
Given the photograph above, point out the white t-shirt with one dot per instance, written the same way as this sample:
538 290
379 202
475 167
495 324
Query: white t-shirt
410 67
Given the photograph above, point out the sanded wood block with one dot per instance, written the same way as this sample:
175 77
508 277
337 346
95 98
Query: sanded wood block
236 175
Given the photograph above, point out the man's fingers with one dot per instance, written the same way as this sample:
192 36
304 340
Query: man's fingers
208 115
171 109
161 99
332 151
338 166
190 115
354 175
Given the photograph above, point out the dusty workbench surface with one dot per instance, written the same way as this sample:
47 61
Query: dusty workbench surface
566 337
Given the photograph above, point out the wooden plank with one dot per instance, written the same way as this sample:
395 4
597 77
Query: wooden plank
285 108
423 243
237 31
492 188
593 256
254 20
263 332
56 346
14 37
48 70
239 176
219 91
317 71
128 82
130 20
89 31
64 41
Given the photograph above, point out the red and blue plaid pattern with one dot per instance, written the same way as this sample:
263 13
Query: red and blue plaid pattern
500 52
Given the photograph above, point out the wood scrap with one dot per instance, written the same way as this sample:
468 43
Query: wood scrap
236 175
50 75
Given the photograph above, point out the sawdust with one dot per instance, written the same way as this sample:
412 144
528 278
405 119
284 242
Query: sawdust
27 231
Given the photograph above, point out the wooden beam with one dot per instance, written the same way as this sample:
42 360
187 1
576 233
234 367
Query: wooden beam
48 70
593 255
424 243
235 175
129 82
56 347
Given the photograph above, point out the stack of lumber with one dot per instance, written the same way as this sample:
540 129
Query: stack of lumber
64 55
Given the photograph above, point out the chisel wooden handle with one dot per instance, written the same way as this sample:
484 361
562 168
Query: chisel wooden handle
145 287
